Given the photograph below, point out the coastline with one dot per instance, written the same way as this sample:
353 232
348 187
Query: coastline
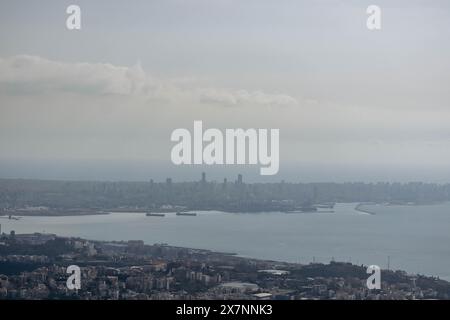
50 213
359 208
180 272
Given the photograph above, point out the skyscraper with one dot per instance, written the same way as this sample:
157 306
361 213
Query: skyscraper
203 177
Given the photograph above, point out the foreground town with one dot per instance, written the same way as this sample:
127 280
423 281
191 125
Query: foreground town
34 266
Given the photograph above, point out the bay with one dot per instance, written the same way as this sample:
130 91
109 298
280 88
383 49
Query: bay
415 238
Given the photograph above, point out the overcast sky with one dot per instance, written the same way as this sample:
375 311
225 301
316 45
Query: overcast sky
100 103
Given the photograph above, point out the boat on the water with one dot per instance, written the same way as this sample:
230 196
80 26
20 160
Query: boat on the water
155 215
189 214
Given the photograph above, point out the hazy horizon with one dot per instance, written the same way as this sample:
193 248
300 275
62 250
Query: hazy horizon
100 103
85 171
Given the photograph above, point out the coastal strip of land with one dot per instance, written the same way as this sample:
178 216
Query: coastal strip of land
360 208
14 213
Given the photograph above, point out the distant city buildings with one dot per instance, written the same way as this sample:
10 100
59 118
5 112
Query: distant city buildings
203 177
53 198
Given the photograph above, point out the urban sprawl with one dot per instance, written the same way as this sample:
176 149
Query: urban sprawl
34 266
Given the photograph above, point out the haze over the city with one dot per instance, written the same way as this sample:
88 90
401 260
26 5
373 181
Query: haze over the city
101 102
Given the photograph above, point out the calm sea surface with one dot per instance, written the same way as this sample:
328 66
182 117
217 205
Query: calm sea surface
416 238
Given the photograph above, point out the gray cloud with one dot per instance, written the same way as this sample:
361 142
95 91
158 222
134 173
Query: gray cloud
237 97
31 74
36 74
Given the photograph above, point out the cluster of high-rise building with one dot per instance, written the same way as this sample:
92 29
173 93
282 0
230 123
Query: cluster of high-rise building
28 197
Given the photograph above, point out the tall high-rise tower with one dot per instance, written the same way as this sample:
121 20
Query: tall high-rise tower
203 177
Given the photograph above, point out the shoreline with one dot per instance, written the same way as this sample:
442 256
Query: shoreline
18 214
236 256
359 209
89 212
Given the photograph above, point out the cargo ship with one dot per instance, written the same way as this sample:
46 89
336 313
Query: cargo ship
189 214
155 214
